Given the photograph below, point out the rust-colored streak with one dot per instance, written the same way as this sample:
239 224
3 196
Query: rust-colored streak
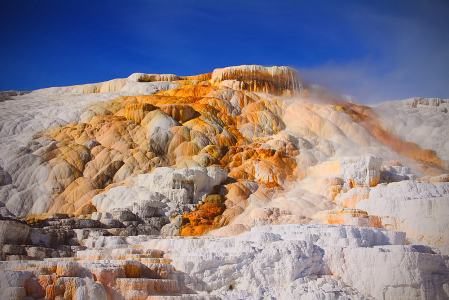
428 162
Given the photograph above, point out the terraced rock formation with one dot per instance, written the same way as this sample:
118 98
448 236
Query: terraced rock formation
93 176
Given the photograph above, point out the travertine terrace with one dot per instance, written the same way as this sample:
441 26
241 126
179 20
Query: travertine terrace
242 183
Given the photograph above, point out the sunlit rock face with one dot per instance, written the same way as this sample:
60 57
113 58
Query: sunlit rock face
419 120
274 80
360 171
96 274
415 207
283 262
135 163
188 126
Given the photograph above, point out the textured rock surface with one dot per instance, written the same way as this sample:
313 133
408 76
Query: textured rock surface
283 262
419 120
291 261
274 80
417 208
122 273
120 163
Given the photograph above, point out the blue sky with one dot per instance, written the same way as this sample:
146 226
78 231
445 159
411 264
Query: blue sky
375 50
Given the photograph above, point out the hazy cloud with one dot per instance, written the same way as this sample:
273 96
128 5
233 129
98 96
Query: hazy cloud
410 56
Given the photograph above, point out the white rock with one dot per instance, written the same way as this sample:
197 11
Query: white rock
421 209
187 185
360 171
291 261
125 196
425 127
166 191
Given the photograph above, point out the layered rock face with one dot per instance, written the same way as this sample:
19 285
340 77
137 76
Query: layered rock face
330 262
94 176
274 80
120 273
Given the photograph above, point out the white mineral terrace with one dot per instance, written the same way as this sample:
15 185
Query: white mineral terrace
291 195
